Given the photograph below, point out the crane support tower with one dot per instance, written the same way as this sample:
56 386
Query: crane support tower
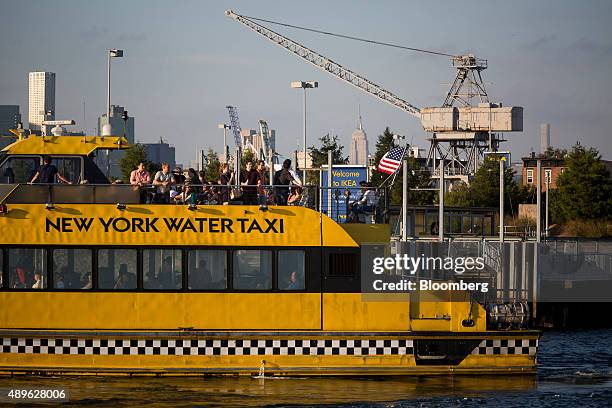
266 145
460 132
237 131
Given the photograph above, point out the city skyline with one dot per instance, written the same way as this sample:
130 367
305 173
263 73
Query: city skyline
177 82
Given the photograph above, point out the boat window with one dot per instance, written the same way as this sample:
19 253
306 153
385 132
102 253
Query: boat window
19 169
162 269
207 269
1 268
72 268
69 168
117 269
27 268
291 270
252 269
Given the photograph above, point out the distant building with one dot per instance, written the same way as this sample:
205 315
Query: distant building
118 127
544 137
551 169
9 118
300 159
161 152
252 136
358 149
41 99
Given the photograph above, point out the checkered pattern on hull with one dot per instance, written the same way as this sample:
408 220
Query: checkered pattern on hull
208 347
518 346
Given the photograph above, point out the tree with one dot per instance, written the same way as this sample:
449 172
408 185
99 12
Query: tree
213 166
484 189
133 157
319 156
554 153
584 189
247 155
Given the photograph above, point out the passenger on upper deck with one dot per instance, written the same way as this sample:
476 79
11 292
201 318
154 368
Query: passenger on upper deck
365 203
283 178
296 196
250 180
225 179
141 177
47 172
164 181
262 197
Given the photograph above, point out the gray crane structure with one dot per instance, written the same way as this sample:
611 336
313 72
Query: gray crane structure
461 133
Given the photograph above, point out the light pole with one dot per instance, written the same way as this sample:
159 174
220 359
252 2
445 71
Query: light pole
304 85
112 53
225 128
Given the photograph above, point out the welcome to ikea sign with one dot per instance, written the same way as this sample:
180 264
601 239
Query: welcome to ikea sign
344 189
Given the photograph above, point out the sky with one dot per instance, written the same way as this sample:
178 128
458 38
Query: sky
185 61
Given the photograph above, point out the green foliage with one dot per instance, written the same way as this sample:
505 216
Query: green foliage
133 157
319 156
584 189
484 189
459 196
213 167
554 153
247 156
383 145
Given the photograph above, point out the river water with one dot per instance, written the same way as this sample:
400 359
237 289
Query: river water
575 370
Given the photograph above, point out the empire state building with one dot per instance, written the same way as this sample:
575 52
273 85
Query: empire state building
358 149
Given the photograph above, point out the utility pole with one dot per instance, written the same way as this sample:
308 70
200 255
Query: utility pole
539 201
329 182
405 201
225 128
501 198
441 206
547 181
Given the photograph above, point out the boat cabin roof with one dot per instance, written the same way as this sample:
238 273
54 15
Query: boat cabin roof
64 145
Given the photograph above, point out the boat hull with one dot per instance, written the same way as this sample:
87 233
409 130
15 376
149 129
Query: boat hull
266 353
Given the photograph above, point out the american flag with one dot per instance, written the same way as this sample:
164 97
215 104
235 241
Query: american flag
392 160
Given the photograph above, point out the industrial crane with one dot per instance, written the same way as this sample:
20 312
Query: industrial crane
467 130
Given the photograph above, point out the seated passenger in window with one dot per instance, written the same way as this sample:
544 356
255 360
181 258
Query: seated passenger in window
38 283
125 280
20 278
58 281
151 281
87 284
165 274
295 282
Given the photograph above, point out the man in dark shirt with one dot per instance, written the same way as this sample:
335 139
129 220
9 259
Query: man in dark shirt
283 178
250 180
47 172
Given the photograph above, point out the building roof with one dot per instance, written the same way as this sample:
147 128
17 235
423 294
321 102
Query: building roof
69 145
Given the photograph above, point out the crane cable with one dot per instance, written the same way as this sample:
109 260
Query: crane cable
352 38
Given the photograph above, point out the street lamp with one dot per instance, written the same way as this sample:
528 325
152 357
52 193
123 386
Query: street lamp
225 128
304 85
112 53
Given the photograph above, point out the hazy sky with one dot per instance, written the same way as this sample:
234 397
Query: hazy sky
185 61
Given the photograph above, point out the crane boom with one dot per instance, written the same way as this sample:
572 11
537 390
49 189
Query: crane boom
327 65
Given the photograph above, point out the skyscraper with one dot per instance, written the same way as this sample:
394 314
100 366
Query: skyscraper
41 98
544 137
358 149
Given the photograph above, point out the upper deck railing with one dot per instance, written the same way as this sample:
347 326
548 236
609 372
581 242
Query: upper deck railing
335 202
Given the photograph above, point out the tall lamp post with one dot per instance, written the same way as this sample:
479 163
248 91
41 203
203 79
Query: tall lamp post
304 85
225 128
112 53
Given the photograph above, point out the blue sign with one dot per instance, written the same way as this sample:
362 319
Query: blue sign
344 189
